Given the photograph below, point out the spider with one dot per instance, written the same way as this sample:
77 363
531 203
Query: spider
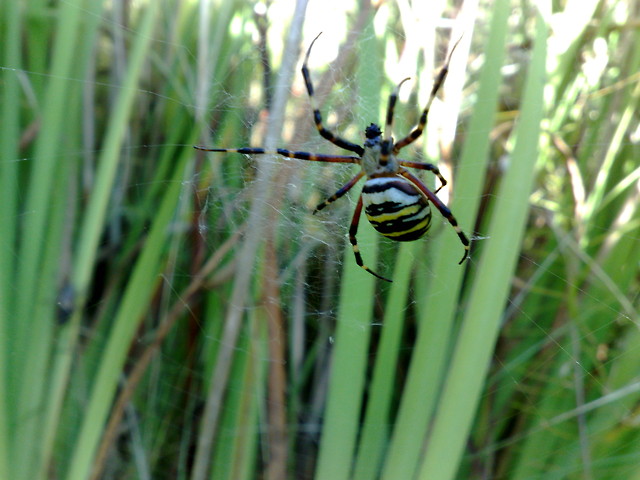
395 201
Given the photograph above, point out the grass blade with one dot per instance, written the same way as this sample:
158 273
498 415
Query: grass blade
470 361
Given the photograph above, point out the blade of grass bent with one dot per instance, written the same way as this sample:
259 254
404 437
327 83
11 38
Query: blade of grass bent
470 362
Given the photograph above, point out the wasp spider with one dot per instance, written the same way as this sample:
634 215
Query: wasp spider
395 201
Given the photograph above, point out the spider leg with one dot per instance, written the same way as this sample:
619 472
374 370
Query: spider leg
426 166
415 134
387 142
314 157
317 116
344 189
442 208
353 231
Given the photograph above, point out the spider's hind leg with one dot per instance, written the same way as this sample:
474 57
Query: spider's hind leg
443 209
353 231
344 189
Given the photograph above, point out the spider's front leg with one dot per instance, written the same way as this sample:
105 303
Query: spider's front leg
313 157
317 116
387 142
426 166
415 134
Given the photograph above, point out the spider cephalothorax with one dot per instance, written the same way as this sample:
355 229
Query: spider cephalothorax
395 201
372 131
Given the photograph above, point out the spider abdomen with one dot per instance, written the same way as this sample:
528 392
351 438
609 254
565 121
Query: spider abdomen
396 208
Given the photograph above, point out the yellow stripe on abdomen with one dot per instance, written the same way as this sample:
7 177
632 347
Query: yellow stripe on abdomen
396 208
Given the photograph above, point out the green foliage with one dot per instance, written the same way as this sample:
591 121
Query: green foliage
166 313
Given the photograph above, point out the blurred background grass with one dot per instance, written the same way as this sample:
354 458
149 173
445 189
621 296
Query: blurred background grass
170 314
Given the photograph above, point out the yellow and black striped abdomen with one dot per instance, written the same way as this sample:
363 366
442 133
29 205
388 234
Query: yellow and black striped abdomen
396 208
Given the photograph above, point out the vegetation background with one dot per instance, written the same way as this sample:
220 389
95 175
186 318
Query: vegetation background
166 313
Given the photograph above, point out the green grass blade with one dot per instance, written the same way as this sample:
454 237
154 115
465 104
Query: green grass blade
10 20
376 425
108 162
470 361
36 274
348 368
350 353
138 292
142 280
45 158
438 311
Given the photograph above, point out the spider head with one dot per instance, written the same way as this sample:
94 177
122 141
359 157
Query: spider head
372 131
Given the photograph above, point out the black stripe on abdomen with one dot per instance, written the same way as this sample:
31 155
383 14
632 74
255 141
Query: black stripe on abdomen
396 208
